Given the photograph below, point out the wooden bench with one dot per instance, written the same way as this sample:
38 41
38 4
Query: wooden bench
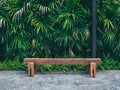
71 61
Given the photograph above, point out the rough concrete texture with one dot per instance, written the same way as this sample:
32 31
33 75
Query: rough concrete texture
18 80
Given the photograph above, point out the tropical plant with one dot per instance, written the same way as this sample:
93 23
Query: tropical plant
109 25
57 28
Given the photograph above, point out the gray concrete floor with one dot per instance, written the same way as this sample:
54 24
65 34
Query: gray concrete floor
18 80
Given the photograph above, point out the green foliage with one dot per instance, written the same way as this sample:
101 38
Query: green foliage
62 68
12 65
107 64
109 25
57 28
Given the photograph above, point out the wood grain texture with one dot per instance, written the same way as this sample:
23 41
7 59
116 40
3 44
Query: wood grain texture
31 69
93 69
73 61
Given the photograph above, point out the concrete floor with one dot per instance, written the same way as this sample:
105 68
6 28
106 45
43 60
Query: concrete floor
18 80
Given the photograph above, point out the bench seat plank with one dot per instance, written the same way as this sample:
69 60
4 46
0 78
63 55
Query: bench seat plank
72 61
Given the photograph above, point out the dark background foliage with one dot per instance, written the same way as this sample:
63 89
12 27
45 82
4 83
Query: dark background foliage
58 28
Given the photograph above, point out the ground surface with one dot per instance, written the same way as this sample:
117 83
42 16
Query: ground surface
18 80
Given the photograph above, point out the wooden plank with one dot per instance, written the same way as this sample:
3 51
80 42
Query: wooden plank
73 61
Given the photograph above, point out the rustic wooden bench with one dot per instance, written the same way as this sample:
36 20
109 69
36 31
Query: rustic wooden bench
71 61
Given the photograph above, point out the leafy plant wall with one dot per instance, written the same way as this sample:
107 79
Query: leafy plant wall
58 28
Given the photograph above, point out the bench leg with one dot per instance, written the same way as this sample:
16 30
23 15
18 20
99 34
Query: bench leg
35 70
31 69
92 69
